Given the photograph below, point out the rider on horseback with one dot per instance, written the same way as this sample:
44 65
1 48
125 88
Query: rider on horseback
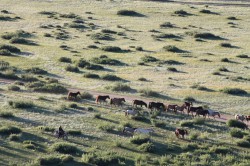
61 132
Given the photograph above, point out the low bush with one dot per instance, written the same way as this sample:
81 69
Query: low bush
14 137
172 48
63 147
189 98
148 59
90 75
140 139
243 143
234 91
21 104
242 56
106 61
74 132
101 159
158 123
49 160
94 67
108 31
167 25
13 88
205 11
139 48
236 133
73 105
10 48
109 77
36 70
139 118
101 36
46 128
82 63
120 87
225 60
65 59
128 13
206 36
18 40
228 45
97 116
86 95
199 121
9 74
70 15
220 150
142 79
6 114
190 147
7 130
28 78
193 136
111 49
187 123
148 93
71 68
236 123
50 88
16 34
223 69
5 52
173 69
231 18
181 13
166 36
147 147
106 127
77 25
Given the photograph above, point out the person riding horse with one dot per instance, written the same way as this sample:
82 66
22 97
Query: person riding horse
61 132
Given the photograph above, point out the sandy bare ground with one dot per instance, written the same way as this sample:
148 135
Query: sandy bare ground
223 118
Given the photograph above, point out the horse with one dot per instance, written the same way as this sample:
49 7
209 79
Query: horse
130 112
213 113
156 106
181 108
117 101
139 102
64 136
193 109
144 131
128 130
188 104
73 95
181 132
101 99
202 112
171 107
240 117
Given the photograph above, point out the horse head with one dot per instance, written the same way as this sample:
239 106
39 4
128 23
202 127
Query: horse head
78 93
123 99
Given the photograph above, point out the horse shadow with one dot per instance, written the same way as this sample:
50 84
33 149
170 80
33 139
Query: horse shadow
26 121
40 110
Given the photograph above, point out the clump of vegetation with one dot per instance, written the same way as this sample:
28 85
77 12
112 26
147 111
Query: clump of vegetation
65 59
63 147
110 77
228 45
74 132
172 48
16 34
50 87
158 123
189 98
7 130
13 88
173 69
103 59
147 147
139 139
142 79
14 137
111 49
73 105
21 104
18 40
234 91
49 160
139 48
236 133
166 36
85 64
97 116
5 52
9 74
71 68
243 143
242 56
181 13
70 15
225 60
148 59
128 13
148 93
206 11
101 36
6 114
223 69
28 78
46 128
36 70
236 123
167 25
91 75
231 18
220 150
187 123
86 95
10 48
106 127
206 35
121 87
101 158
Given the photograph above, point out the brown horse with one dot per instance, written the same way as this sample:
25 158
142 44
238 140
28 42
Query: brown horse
247 118
193 109
101 99
181 132
202 112
73 95
117 101
188 104
156 106
171 107
140 103
181 108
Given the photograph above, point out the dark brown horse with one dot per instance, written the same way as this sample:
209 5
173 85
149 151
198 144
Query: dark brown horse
188 104
140 103
156 106
181 132
101 99
193 109
117 101
181 108
202 112
171 107
73 95
247 118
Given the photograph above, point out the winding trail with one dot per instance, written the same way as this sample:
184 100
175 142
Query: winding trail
224 117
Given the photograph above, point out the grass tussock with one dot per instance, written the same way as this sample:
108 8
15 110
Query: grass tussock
65 148
234 91
236 123
6 114
119 87
20 104
7 130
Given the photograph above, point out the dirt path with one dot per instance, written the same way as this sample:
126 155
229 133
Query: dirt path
223 118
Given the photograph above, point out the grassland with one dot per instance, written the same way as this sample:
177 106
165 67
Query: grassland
210 55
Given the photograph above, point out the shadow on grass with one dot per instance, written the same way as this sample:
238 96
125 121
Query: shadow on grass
26 121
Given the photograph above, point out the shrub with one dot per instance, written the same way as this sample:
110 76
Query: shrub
181 12
139 118
51 88
236 133
28 78
234 91
231 18
97 116
148 93
73 105
148 58
106 127
206 36
189 98
142 79
158 123
139 48
173 69
70 15
225 60
108 31
111 49
128 13
190 147
65 59
120 87
199 121
220 150
139 139
166 36
109 77
13 88
243 143
147 147
101 159
72 69
21 104
167 25
187 123
101 36
14 137
172 48
17 34
226 45
9 75
36 70
77 25
94 67
242 56
205 11
10 48
18 40
6 114
29 146
63 147
46 128
90 75
216 73
223 69
5 52
7 130
74 132
106 61
82 63
236 123
49 160
87 95
193 136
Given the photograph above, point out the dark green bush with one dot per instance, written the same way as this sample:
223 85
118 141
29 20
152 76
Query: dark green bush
243 143
51 88
106 61
109 77
13 88
94 67
70 15
65 59
205 11
36 70
231 18
21 104
111 49
225 60
171 48
5 52
90 75
49 160
101 159
148 93
83 63
147 147
189 98
234 91
223 69
28 78
73 105
128 13
7 130
46 128
148 58
181 13
6 114
167 25
139 139
236 133
187 123
228 45
142 79
97 116
173 69
77 25
63 147
119 87
8 75
18 40
86 95
14 137
242 56
166 36
71 68
10 48
139 48
236 123
206 36
101 36
158 123
74 132
106 127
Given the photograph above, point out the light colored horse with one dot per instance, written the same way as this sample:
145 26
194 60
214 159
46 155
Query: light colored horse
213 113
239 117
130 112
144 131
